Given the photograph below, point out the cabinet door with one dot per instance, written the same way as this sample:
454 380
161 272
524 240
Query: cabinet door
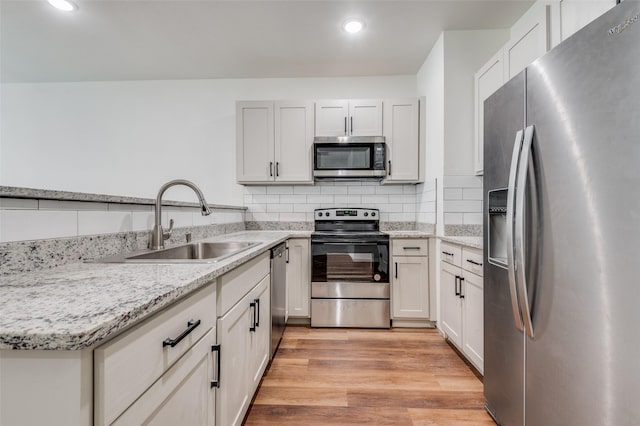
293 141
331 117
254 141
260 338
298 277
451 303
530 39
183 395
487 80
576 14
410 287
473 319
233 397
400 119
365 117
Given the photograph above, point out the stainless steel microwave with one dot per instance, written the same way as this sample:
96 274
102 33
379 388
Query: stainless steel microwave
349 157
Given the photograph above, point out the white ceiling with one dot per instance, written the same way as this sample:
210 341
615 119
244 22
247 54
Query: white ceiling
184 39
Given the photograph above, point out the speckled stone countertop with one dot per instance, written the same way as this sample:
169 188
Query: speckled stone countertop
80 305
473 242
409 234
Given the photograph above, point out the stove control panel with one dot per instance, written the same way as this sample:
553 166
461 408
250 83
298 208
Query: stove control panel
347 214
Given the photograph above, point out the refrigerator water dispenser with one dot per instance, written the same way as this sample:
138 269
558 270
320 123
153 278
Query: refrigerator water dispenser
497 225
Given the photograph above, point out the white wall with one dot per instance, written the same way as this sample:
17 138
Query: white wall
127 138
430 79
464 53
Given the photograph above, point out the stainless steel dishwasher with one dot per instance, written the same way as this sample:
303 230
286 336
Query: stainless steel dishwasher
278 294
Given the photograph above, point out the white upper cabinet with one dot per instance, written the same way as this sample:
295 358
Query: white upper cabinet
402 138
487 80
255 141
575 14
274 141
360 117
530 39
293 141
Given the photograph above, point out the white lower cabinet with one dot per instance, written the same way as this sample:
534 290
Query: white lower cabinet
244 333
462 301
409 282
158 366
184 394
298 277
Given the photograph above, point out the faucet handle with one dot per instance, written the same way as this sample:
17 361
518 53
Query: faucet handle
188 237
167 234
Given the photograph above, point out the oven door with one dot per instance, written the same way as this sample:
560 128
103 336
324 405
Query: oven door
349 260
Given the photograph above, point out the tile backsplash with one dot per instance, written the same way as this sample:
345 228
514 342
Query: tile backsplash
29 219
462 205
289 203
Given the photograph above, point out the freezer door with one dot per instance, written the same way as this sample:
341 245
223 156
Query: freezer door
503 342
584 100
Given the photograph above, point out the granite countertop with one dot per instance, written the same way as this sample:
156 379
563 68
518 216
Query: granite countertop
409 234
473 242
80 305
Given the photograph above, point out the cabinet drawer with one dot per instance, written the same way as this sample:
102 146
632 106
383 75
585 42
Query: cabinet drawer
451 253
125 367
410 247
472 260
238 282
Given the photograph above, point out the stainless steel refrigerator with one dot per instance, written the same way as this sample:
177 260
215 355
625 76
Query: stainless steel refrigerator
562 233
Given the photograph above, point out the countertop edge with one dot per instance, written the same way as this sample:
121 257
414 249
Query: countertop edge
90 338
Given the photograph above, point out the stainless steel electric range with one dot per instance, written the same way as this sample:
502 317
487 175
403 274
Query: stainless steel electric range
350 269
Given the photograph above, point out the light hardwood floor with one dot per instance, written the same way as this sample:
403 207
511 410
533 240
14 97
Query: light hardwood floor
374 377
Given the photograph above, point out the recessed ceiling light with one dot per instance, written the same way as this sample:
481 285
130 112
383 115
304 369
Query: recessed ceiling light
353 26
65 5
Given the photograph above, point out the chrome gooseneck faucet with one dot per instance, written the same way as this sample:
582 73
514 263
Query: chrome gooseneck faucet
158 235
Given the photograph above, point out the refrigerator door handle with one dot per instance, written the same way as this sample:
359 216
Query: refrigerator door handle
511 194
521 276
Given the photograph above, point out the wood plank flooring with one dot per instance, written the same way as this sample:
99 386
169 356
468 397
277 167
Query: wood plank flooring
374 377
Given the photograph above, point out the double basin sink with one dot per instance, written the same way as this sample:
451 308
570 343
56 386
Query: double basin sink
189 253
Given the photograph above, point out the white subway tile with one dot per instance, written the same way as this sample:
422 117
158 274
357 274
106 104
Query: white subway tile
293 217
409 189
305 208
181 219
376 199
90 223
293 199
472 218
472 194
393 208
370 183
453 193
279 208
409 208
266 199
348 200
463 181
142 221
255 190
406 198
71 205
306 190
347 183
358 190
425 217
266 217
20 225
429 206
463 206
320 199
389 189
402 217
248 199
334 190
18 204
285 189
453 218
309 217
384 217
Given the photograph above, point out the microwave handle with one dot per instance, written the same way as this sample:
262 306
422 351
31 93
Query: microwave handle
345 124
351 124
389 167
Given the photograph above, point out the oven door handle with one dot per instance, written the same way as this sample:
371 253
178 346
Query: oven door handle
348 242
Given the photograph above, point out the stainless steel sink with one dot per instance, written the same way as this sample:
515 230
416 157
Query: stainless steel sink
188 253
